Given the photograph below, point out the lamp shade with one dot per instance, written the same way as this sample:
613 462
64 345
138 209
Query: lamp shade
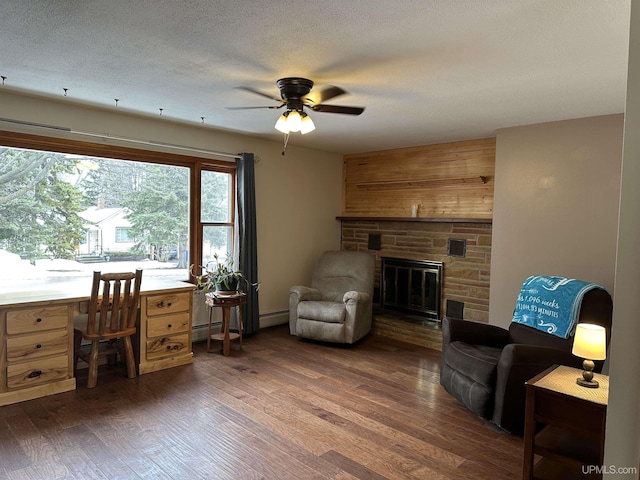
294 121
307 124
281 124
590 342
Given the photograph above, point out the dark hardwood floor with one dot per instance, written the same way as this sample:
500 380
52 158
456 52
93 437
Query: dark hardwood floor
284 408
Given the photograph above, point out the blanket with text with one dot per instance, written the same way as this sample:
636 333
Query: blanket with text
551 304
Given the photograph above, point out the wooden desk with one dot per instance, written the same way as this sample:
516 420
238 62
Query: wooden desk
36 334
572 417
226 302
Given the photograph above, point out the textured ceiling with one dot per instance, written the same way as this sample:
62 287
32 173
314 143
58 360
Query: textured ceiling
427 71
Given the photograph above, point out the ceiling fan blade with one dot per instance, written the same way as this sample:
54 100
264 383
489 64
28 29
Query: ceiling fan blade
250 108
258 92
322 95
338 109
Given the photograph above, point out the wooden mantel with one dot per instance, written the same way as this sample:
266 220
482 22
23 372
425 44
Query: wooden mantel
415 219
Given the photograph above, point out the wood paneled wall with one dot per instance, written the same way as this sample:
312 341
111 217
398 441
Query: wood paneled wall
448 180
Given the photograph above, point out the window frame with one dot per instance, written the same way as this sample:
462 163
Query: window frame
125 230
103 150
232 214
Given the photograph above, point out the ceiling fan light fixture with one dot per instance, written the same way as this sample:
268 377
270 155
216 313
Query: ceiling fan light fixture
295 95
307 124
294 121
281 124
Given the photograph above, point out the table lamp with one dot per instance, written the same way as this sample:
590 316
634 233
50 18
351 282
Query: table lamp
590 343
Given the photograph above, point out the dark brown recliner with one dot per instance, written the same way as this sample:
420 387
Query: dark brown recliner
485 366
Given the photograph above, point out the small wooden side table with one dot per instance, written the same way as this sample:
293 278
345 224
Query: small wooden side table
565 424
226 302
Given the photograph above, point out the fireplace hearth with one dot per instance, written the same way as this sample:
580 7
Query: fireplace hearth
413 286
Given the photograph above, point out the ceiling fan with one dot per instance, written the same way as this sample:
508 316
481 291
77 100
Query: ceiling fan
296 94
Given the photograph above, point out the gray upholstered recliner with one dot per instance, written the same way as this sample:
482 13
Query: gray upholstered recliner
338 305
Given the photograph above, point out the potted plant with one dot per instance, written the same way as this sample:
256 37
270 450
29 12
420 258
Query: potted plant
221 276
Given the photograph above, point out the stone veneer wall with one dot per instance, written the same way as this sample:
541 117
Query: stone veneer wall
465 279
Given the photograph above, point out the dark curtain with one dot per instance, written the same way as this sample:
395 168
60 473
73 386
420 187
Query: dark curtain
247 239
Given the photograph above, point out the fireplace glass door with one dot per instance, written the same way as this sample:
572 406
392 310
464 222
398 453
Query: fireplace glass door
412 286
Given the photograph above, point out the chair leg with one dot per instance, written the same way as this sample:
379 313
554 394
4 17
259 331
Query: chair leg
129 359
93 365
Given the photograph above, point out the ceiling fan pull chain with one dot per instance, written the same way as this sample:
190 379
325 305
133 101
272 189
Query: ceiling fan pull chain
286 140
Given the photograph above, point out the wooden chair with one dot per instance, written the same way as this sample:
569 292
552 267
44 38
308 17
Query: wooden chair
112 315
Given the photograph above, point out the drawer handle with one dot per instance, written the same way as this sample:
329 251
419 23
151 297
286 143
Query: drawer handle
38 320
39 345
170 326
168 304
35 374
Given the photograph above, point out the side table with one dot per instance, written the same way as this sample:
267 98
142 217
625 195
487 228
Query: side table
565 424
226 302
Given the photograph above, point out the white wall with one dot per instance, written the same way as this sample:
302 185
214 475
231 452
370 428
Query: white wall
556 197
622 446
298 195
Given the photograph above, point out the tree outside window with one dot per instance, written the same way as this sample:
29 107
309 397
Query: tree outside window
57 208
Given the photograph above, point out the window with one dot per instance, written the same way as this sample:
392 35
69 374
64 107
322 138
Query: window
72 208
216 214
124 235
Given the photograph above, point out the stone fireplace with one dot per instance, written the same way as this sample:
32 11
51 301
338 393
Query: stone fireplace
465 273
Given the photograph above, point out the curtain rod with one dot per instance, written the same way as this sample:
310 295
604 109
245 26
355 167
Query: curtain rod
106 136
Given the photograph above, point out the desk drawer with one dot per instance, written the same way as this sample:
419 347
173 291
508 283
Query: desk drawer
168 325
29 347
168 346
37 372
31 320
168 303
